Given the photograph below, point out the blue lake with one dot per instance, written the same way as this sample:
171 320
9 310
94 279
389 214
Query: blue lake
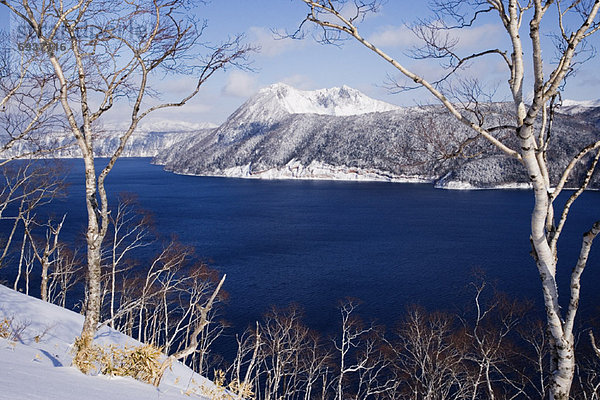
316 242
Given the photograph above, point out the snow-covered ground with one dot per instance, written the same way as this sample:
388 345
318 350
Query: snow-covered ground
38 364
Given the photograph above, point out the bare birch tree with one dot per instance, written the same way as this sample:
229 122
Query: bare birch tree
521 22
292 358
24 188
28 102
429 358
197 326
354 334
65 275
103 64
129 230
45 251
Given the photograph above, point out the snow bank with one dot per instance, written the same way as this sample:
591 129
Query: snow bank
38 365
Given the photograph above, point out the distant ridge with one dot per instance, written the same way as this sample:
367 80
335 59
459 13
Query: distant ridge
575 106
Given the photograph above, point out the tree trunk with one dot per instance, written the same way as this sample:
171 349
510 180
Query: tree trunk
562 377
21 255
93 300
44 283
561 342
94 240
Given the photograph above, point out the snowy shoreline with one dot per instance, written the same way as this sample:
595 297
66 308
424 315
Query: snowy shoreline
323 172
294 170
317 171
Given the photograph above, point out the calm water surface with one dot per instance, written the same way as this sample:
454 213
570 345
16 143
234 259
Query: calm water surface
316 242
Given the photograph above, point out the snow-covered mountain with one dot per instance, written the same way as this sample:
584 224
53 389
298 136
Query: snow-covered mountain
276 102
576 106
342 134
164 125
36 365
148 141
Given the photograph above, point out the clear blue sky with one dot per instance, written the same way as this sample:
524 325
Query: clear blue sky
308 65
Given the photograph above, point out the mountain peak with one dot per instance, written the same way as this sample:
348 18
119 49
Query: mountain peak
277 102
276 86
337 101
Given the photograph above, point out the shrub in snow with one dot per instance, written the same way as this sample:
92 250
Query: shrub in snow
139 362
5 328
11 329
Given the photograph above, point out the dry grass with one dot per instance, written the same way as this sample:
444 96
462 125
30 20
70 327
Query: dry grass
139 362
5 328
12 329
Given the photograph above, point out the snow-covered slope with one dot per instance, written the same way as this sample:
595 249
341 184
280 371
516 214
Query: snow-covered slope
37 365
284 133
575 106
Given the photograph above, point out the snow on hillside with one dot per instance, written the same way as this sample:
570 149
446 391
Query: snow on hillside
575 106
37 366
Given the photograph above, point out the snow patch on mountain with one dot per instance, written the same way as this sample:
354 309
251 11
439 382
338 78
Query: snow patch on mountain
451 184
338 101
578 106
